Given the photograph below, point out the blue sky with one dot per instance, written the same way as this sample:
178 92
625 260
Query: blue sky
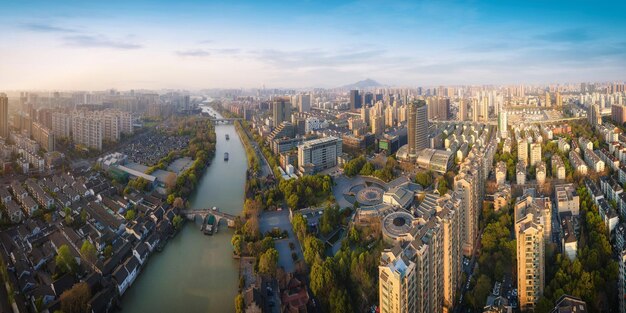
204 44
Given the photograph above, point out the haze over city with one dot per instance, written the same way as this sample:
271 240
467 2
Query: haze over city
185 44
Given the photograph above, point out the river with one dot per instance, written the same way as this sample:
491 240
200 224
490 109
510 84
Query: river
194 272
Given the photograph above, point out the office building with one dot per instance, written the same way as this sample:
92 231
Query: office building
304 103
318 154
281 110
4 116
417 128
355 100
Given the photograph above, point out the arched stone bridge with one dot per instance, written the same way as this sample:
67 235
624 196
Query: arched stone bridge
204 213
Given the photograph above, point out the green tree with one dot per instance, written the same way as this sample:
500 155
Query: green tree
130 215
322 278
299 225
240 305
424 178
237 242
89 252
177 221
65 260
368 169
108 251
312 249
268 262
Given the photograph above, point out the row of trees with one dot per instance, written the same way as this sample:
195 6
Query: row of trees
497 256
201 148
593 275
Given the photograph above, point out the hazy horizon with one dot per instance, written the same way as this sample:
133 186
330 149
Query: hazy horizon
195 45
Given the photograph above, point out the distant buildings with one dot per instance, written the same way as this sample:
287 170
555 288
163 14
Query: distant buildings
4 116
355 100
281 110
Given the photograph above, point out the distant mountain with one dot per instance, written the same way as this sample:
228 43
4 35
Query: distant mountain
363 84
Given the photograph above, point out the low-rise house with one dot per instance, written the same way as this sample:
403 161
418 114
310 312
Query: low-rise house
18 191
5 196
14 212
520 173
610 187
577 163
141 252
29 205
593 160
569 243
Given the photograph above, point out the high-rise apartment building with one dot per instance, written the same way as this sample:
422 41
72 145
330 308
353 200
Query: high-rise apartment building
421 273
44 136
281 110
462 110
533 227
417 127
503 124
4 116
522 151
61 124
535 154
548 100
87 130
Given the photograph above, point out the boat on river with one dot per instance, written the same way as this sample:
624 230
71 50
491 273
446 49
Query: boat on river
225 156
227 137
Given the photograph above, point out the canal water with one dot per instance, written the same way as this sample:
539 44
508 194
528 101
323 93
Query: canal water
194 272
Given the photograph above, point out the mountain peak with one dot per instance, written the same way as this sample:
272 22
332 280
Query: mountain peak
366 83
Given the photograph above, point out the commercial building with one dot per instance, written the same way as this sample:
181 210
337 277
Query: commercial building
355 100
417 128
318 154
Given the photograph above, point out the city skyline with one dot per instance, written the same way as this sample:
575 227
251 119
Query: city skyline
194 45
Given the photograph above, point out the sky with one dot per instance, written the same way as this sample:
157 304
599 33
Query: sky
95 45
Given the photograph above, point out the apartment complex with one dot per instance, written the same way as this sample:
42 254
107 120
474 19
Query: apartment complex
90 128
422 270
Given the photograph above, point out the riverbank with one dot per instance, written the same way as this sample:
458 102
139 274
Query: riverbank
197 272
